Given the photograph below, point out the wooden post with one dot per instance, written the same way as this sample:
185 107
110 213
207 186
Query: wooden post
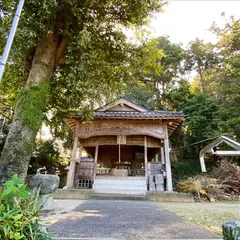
145 158
71 172
167 162
80 153
162 155
95 161
78 160
119 152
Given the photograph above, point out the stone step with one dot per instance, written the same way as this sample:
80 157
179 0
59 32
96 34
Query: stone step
120 185
112 196
119 191
116 183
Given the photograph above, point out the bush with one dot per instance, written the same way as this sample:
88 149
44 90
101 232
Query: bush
222 183
47 154
18 212
182 170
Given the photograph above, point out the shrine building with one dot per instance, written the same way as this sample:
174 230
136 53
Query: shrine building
124 144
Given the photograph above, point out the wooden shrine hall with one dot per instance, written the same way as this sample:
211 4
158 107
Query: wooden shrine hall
123 141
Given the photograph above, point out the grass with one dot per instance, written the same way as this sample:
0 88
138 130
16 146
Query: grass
208 215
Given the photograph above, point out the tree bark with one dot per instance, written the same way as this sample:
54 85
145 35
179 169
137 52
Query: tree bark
29 111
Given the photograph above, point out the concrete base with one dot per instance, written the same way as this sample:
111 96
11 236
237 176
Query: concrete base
85 194
169 197
74 193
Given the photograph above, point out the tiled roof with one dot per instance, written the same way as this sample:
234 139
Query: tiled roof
148 114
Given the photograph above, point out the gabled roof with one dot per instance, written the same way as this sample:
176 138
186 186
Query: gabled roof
126 109
132 106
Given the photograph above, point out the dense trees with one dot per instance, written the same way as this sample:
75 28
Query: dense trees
62 46
71 55
211 101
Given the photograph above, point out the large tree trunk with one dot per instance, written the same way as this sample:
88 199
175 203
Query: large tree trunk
29 111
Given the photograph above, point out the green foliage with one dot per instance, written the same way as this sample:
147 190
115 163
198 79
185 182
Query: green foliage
201 116
95 64
227 84
32 103
157 64
231 232
18 212
183 170
139 93
47 154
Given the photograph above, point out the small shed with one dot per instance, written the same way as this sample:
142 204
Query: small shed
124 140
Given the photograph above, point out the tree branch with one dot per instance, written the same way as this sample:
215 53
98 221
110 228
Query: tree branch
59 60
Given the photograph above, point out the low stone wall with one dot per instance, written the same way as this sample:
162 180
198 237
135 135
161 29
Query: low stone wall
81 194
85 194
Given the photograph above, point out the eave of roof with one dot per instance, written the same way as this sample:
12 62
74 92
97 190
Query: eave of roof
128 114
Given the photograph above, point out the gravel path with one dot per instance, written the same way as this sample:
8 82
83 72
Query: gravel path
125 220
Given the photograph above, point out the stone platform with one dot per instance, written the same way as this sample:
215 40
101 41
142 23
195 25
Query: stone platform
121 188
86 194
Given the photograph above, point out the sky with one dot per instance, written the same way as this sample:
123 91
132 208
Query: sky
184 20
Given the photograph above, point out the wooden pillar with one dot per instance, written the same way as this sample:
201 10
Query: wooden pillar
95 161
80 154
162 156
167 162
76 171
119 152
71 172
145 158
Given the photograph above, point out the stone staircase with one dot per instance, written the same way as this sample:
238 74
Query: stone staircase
119 185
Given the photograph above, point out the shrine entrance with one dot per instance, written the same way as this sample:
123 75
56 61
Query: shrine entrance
124 141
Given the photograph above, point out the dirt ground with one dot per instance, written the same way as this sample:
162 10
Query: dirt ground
208 215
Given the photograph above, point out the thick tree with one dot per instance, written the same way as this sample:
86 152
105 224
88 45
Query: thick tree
47 29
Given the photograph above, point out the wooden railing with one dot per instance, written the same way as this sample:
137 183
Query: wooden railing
133 169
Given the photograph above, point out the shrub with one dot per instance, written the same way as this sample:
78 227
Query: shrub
18 212
222 183
182 170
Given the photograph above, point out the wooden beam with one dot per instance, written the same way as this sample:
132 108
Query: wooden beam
95 161
145 158
162 156
119 152
171 127
168 163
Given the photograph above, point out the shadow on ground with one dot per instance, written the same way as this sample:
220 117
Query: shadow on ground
126 220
